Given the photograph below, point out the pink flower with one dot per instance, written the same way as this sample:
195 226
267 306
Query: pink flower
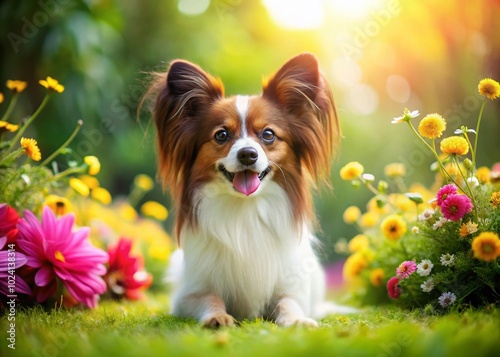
456 206
393 289
405 269
55 250
126 274
16 260
444 192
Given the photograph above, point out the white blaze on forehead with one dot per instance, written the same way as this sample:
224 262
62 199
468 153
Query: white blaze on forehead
242 108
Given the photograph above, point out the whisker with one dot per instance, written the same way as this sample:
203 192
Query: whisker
281 170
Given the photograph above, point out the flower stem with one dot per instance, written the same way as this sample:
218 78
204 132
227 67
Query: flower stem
477 134
71 170
10 107
30 120
63 146
432 149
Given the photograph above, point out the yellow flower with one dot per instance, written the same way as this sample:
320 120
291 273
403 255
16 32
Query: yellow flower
94 164
358 243
468 228
489 88
351 214
59 205
127 212
495 199
486 246
377 277
1 97
102 195
155 210
353 266
52 84
395 169
393 227
16 86
90 181
432 126
483 174
79 186
144 182
454 145
6 126
31 149
351 171
369 219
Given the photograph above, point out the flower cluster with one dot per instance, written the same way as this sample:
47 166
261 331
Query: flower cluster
62 236
449 257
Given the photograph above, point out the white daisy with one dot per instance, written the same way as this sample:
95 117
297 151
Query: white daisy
425 267
425 215
427 285
441 222
447 259
407 115
446 299
415 230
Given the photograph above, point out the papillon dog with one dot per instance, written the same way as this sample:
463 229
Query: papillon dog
240 170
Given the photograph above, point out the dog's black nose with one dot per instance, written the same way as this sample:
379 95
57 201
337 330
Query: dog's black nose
247 156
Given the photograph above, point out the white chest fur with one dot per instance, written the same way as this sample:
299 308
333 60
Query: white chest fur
248 251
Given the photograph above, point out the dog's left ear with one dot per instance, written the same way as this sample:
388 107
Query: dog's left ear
303 93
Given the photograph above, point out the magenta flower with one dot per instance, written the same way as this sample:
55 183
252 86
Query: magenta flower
444 192
405 269
393 289
56 251
456 206
16 261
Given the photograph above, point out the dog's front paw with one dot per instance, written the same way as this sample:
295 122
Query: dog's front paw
297 321
217 320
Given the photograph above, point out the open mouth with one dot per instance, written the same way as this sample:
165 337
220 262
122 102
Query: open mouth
246 181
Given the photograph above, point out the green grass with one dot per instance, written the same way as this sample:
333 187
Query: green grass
146 329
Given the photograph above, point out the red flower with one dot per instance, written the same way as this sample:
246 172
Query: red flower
8 222
126 274
393 289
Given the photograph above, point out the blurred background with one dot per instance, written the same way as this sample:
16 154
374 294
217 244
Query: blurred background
380 57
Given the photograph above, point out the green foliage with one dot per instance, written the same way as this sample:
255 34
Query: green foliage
25 186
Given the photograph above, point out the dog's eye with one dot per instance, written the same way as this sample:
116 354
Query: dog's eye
268 136
221 136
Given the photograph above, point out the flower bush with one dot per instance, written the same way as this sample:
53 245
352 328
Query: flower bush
436 247
63 238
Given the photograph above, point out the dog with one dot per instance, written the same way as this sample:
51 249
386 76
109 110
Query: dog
240 170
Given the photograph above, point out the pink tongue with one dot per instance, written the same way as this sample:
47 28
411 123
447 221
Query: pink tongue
246 182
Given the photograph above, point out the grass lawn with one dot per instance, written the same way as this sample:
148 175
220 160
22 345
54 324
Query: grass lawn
146 329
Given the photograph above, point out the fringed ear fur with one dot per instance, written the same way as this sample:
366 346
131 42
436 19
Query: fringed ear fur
300 90
183 94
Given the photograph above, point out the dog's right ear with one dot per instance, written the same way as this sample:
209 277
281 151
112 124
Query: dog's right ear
191 85
182 96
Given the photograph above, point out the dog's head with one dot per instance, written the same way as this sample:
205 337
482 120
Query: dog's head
287 134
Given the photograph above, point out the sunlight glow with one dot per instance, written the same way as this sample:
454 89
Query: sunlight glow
310 14
353 8
296 14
